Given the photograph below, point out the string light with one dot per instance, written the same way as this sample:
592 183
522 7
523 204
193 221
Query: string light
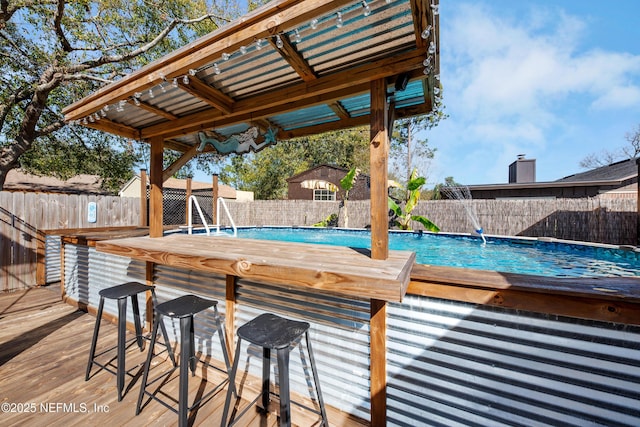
432 48
225 56
185 79
339 19
426 33
243 50
367 9
296 36
216 69
259 44
279 42
314 23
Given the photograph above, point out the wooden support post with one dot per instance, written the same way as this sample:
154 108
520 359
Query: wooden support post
155 199
144 207
41 257
230 315
379 159
378 331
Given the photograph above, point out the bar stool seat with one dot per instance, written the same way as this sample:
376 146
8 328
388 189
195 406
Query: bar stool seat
121 293
272 332
183 308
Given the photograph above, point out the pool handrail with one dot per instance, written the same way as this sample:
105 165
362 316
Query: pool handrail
233 224
193 200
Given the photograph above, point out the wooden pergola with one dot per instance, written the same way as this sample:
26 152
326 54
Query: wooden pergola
290 68
296 67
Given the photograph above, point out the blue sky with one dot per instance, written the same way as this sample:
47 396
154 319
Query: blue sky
554 80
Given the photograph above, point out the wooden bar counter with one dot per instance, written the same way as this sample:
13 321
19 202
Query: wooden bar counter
337 269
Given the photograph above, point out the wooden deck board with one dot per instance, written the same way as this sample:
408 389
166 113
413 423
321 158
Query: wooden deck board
44 345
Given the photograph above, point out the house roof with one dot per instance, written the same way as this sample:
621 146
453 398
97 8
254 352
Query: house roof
613 174
289 66
18 180
618 171
324 166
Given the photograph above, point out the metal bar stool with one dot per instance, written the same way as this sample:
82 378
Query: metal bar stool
183 308
121 293
272 332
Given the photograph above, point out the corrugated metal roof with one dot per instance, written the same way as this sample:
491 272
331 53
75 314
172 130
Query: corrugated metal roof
289 65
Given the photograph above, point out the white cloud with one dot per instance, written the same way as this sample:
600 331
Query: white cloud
527 83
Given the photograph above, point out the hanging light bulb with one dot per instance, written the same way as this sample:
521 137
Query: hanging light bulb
122 103
151 95
436 90
279 42
175 82
427 61
162 88
426 32
106 107
314 23
296 36
436 9
339 20
225 56
432 48
185 79
427 70
91 119
216 69
103 113
192 72
367 9
259 43
437 77
243 50
84 121
387 1
136 101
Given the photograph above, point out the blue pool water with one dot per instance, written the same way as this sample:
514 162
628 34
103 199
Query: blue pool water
499 254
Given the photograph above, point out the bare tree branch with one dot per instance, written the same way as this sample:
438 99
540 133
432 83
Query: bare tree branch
66 46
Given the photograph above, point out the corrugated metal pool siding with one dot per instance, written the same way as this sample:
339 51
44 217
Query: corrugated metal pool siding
452 363
84 265
172 283
52 259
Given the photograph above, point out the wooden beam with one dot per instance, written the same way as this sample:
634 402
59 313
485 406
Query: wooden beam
208 94
175 166
293 57
378 350
109 126
156 178
379 159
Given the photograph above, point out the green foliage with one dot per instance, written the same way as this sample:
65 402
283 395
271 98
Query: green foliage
411 192
53 53
435 194
330 221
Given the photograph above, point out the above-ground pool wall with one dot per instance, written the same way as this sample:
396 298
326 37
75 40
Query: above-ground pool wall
454 363
448 362
87 271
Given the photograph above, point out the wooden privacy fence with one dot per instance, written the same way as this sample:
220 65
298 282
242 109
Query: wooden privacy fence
24 217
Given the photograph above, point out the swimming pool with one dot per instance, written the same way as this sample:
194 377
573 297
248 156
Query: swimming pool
512 255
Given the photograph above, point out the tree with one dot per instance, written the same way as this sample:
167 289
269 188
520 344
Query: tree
266 172
406 149
606 157
53 52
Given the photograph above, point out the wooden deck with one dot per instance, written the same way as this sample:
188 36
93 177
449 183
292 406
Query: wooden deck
44 345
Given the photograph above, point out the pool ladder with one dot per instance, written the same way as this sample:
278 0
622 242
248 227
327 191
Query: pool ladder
194 201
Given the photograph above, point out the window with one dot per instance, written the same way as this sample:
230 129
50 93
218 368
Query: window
324 195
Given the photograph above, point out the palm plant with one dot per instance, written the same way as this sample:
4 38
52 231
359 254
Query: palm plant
411 197
347 184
